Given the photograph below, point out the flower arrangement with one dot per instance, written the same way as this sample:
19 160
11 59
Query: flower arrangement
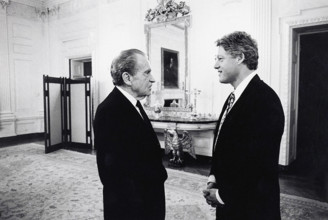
167 11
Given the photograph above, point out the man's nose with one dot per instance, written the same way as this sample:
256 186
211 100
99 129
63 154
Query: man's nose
152 79
216 65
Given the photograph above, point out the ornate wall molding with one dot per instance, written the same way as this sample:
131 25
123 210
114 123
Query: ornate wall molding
32 3
308 21
22 11
73 7
5 89
7 124
4 3
52 3
44 13
261 28
31 10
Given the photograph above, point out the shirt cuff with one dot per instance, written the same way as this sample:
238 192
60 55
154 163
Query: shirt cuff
211 179
218 197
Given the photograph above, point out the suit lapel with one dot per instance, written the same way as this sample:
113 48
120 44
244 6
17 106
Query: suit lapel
240 103
221 115
243 99
126 104
133 114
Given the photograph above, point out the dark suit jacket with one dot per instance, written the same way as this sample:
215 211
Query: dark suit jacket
129 161
245 161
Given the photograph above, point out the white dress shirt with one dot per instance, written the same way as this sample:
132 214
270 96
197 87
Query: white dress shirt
130 98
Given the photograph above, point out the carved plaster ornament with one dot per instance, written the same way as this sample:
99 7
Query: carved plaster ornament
4 3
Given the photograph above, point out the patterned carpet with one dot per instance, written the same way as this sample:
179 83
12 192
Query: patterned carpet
65 185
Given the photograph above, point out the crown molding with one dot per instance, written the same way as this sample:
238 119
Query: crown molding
41 3
32 3
4 4
307 21
54 3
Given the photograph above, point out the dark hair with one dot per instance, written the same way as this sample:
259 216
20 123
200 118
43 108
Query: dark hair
238 43
126 61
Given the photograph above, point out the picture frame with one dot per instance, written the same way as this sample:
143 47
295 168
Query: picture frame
170 68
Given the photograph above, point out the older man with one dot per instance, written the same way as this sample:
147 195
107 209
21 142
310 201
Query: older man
128 152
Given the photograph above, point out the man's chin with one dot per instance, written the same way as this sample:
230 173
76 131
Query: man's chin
145 96
223 81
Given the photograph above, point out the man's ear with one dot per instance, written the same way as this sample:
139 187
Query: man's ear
126 78
241 58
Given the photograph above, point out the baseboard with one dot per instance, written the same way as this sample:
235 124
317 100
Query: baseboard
5 141
78 145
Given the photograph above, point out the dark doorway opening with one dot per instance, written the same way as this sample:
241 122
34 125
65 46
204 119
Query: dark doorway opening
312 130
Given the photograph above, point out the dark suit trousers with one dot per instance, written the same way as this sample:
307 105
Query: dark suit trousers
152 207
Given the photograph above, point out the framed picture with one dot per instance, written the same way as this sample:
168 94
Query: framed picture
170 68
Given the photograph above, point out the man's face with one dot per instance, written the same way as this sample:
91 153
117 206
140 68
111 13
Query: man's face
227 66
142 80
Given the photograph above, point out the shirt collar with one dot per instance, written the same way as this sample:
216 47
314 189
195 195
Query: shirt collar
128 96
242 86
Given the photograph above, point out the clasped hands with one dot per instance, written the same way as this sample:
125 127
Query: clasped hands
210 195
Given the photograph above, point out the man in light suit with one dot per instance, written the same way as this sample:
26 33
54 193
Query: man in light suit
129 156
243 182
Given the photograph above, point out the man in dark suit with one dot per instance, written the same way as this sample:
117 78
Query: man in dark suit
243 182
129 156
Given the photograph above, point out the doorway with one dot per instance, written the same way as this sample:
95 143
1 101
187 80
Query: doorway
312 139
312 107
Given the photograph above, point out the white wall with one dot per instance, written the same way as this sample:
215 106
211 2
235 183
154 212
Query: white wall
35 42
71 34
22 65
120 26
211 21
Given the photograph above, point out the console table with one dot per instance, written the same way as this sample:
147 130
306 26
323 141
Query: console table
200 130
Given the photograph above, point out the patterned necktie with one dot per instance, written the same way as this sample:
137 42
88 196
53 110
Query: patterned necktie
231 100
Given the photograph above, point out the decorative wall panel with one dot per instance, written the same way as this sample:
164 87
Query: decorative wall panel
21 62
4 66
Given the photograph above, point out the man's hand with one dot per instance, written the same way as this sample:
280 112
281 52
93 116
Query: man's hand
210 196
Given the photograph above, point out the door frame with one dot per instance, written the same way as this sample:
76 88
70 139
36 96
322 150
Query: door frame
294 82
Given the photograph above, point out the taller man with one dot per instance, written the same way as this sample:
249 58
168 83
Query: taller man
243 182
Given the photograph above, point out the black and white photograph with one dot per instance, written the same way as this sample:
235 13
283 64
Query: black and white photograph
163 109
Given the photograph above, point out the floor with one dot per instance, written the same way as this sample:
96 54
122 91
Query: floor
292 182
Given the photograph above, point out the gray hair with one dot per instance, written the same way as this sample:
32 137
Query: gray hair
126 61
